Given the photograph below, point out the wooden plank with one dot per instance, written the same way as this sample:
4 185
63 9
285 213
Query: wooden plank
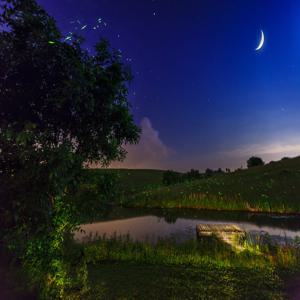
228 233
215 228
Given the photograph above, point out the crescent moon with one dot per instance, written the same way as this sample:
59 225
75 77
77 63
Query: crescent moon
262 41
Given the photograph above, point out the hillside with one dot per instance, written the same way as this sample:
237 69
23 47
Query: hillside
131 179
274 187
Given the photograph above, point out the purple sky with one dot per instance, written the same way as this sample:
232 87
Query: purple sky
203 96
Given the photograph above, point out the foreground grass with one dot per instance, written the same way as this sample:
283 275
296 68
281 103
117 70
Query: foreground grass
271 188
210 269
130 281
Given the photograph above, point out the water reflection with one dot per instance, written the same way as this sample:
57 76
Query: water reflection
180 224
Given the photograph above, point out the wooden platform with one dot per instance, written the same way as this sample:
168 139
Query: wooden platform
208 229
228 233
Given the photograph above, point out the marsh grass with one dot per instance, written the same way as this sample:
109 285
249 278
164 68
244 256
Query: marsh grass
196 269
207 250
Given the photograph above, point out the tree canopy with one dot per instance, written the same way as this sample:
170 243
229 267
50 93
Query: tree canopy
60 108
58 90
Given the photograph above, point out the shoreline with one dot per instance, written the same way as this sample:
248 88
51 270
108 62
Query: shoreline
288 214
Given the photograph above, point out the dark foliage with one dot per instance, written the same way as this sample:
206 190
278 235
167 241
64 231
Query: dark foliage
209 172
60 108
254 162
172 177
193 174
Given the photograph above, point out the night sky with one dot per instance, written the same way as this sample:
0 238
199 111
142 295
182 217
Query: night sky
201 93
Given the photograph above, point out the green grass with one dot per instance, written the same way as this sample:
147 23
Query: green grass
123 269
271 188
130 281
210 269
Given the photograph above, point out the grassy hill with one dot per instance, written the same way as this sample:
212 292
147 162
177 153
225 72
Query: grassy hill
274 187
131 180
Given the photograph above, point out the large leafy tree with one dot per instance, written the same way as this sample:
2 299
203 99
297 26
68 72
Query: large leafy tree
59 109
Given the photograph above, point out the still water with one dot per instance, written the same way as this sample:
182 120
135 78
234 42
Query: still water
153 224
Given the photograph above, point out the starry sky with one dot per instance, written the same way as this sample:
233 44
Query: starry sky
201 93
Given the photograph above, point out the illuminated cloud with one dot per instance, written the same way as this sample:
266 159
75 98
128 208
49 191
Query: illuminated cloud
149 153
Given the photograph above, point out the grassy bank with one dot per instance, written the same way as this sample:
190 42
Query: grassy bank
210 269
271 188
122 269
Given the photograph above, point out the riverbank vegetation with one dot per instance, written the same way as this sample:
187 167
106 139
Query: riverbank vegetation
206 269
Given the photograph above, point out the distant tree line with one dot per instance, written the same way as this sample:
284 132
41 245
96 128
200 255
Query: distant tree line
173 177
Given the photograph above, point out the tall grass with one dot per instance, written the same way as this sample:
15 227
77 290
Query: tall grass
209 251
206 269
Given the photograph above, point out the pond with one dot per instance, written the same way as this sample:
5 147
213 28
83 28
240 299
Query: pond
180 224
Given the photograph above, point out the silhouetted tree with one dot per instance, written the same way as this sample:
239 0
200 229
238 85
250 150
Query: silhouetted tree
209 172
254 161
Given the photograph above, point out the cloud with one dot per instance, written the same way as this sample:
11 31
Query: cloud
149 153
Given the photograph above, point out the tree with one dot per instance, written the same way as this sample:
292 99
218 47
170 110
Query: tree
193 175
59 109
254 162
209 172
171 177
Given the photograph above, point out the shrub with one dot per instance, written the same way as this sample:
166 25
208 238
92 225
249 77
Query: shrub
209 172
193 174
171 177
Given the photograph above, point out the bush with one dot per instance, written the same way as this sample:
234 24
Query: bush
171 177
209 172
193 175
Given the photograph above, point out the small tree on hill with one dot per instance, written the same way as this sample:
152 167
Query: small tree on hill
254 162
